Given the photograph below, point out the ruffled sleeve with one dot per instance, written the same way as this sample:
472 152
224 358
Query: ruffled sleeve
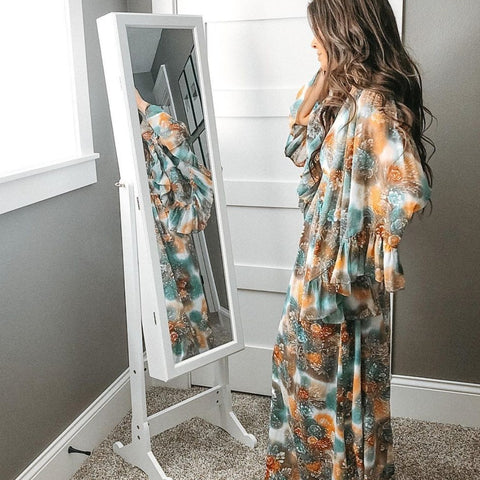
302 141
296 145
191 192
401 190
171 133
388 185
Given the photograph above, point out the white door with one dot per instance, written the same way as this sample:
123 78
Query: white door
259 56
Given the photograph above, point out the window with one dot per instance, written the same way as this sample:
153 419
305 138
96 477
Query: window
46 146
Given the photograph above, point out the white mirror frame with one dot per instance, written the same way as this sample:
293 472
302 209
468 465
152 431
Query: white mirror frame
123 108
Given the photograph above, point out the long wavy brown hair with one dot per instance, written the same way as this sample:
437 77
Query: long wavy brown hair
365 50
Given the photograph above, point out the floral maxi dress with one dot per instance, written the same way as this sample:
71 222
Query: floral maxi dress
330 409
181 195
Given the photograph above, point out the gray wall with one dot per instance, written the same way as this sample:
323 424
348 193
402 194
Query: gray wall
63 334
139 6
437 324
63 339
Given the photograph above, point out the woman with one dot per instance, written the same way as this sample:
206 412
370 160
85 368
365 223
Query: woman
357 131
181 195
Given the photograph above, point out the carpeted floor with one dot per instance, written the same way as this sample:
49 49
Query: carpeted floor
197 450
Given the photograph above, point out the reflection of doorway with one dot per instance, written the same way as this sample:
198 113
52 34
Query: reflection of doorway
163 93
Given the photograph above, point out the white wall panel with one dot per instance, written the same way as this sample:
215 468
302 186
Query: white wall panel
397 7
264 279
261 194
260 54
264 236
261 313
253 149
221 10
257 67
265 102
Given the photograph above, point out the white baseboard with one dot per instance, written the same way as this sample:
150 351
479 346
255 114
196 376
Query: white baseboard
90 429
434 400
420 398
428 399
85 433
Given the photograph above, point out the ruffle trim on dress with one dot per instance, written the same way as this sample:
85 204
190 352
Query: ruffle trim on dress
321 302
374 254
170 131
296 148
181 189
349 285
296 145
188 206
306 190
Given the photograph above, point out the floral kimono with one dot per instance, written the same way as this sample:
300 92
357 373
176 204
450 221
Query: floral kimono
181 196
330 410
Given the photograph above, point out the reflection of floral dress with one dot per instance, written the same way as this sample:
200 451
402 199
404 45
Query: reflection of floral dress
330 411
182 196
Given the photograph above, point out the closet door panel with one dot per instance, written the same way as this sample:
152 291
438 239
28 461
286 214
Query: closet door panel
259 56
264 236
260 310
253 150
221 10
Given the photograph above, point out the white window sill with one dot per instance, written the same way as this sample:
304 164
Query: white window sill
24 188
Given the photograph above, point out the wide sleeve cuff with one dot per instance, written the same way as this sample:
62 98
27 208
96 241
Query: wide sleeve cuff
191 214
170 132
184 186
296 145
377 259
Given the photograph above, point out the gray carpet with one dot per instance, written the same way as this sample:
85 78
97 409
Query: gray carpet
197 450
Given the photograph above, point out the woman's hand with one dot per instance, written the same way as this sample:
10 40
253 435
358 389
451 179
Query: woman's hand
141 103
315 93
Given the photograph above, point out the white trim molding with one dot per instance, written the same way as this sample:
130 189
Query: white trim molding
85 433
24 188
435 400
91 427
251 193
427 399
80 77
40 182
262 278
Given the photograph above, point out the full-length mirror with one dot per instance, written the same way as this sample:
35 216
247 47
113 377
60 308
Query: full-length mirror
186 272
165 75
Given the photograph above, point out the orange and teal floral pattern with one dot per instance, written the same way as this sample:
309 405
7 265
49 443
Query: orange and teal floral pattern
330 411
181 196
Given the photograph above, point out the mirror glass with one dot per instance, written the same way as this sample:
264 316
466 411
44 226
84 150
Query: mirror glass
177 162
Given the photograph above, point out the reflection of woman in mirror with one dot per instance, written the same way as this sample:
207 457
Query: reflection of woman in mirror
357 132
182 196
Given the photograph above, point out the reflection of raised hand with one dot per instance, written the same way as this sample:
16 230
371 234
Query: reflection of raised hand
141 103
